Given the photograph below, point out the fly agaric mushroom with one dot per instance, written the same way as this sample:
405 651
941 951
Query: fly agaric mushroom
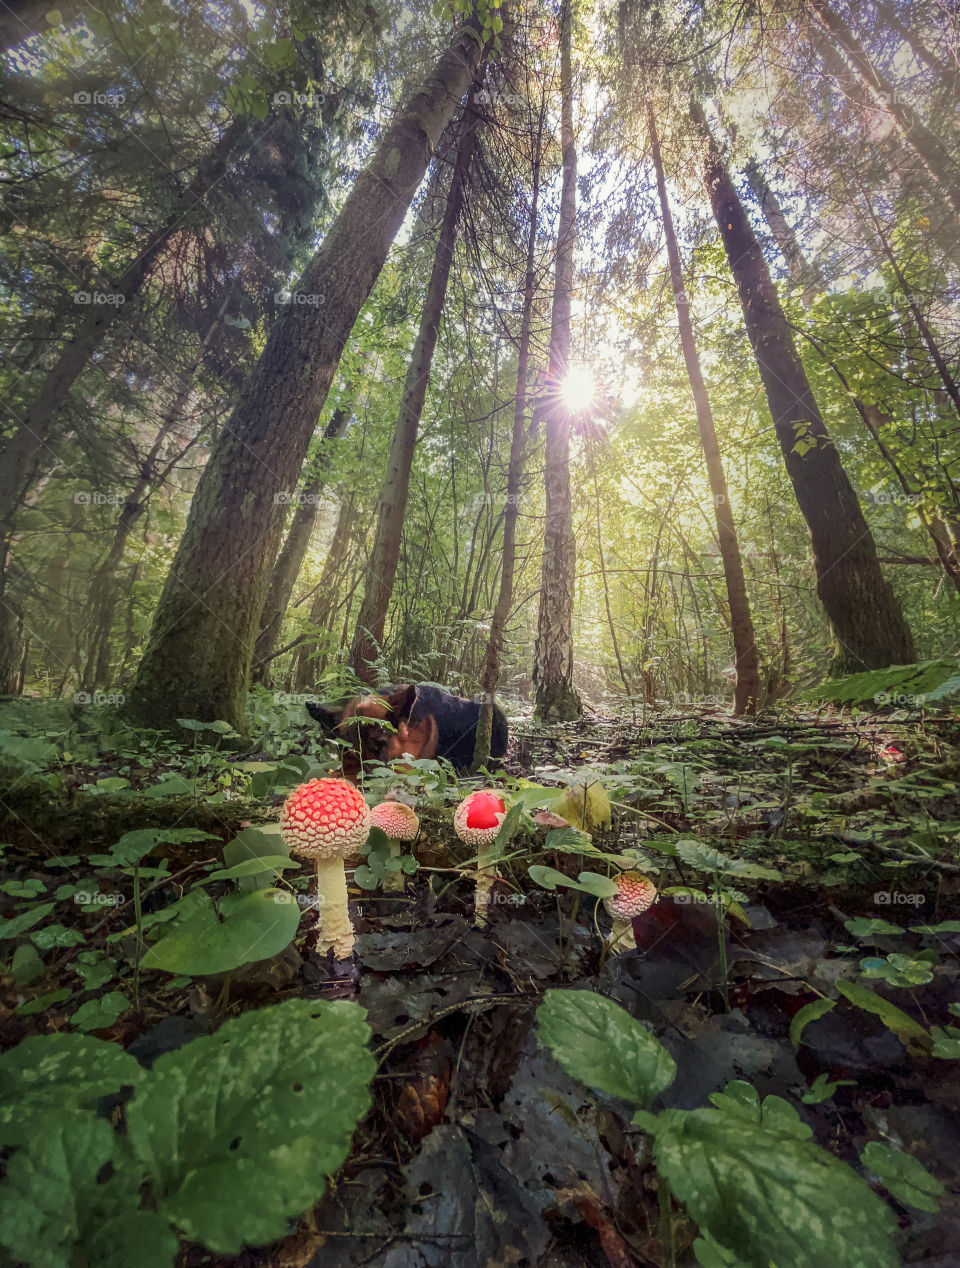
477 823
400 823
635 893
326 820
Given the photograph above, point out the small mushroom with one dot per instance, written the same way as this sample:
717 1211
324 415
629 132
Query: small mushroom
400 823
327 820
477 823
635 894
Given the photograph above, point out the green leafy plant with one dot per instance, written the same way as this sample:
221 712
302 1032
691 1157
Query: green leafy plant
759 1189
226 1139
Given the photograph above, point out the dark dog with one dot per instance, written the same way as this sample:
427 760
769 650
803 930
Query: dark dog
423 722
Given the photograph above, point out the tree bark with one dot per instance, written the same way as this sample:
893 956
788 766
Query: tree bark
197 661
924 55
747 691
326 594
555 697
292 553
931 150
862 609
20 453
490 676
382 566
801 270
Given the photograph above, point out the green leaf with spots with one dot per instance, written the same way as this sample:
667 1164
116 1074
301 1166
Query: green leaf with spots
774 1198
58 1210
262 1111
599 1043
34 1074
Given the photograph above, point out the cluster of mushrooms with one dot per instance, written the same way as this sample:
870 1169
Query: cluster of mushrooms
327 820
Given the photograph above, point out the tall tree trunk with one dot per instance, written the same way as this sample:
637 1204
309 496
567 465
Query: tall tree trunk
326 593
20 453
102 600
555 697
921 52
382 566
292 552
862 609
929 147
490 676
801 270
747 691
197 661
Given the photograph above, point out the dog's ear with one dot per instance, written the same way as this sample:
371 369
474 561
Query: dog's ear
329 719
401 701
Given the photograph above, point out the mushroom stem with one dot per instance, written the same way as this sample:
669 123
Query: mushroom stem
333 918
393 881
486 875
621 935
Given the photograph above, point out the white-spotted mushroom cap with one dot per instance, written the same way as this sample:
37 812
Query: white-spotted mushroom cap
635 894
478 818
398 820
325 819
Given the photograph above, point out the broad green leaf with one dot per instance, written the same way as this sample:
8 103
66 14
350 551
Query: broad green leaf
33 1076
898 970
903 1175
600 1044
599 886
26 965
946 1042
250 867
703 857
908 1031
813 1011
20 924
547 877
243 928
768 1195
945 926
862 927
98 1014
263 1111
251 843
57 1211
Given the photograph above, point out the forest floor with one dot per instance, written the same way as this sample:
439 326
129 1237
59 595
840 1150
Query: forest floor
830 841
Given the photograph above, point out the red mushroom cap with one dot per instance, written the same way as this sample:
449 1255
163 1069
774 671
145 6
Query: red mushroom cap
636 893
398 820
325 818
478 817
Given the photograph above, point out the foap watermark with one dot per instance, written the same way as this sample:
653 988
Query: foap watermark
889 497
906 700
306 902
286 498
93 497
299 299
306 100
93 898
896 897
491 97
84 98
498 899
703 701
115 698
112 299
292 698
